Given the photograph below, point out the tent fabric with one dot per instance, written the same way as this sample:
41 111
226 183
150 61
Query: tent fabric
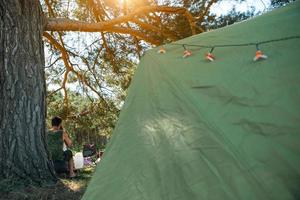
197 130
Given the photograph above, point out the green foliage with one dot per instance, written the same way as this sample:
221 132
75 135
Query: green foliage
232 17
86 121
278 3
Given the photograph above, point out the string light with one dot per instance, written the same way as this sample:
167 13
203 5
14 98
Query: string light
186 52
161 50
209 56
259 55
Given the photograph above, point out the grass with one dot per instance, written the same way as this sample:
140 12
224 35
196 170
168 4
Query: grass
70 189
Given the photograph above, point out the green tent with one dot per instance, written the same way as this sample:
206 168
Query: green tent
192 129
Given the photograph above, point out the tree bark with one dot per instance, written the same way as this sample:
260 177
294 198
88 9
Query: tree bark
23 151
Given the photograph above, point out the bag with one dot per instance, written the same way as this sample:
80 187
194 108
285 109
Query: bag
89 150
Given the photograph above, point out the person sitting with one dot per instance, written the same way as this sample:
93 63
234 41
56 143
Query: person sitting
58 140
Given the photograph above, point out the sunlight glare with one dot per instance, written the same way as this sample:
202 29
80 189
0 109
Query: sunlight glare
122 2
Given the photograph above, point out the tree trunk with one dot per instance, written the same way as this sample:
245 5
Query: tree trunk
23 153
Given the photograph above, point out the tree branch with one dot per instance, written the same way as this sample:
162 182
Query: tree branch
69 68
63 24
205 11
154 28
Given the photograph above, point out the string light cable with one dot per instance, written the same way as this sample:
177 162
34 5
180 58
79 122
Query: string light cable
210 57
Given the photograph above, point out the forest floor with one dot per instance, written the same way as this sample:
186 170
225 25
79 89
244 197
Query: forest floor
65 189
